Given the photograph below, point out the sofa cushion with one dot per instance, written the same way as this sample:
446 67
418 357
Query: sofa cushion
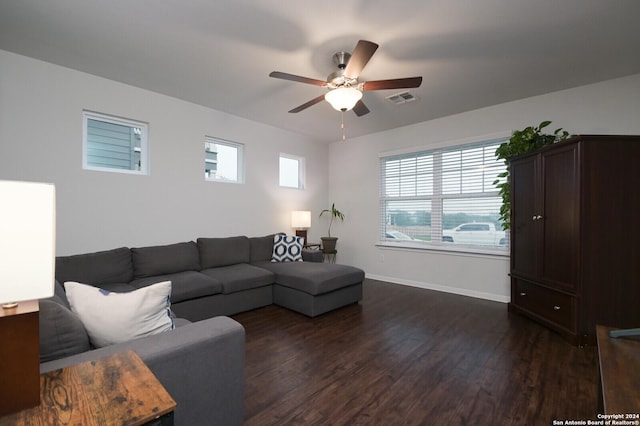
167 259
223 251
111 318
261 248
287 248
314 278
241 276
61 331
103 267
184 285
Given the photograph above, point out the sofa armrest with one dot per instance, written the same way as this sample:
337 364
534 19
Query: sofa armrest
200 364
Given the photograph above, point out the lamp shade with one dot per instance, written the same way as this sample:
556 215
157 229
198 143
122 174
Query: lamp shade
300 219
343 98
27 241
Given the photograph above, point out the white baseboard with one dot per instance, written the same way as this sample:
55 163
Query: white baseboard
445 289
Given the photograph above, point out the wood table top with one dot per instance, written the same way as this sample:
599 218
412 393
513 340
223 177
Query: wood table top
619 372
119 389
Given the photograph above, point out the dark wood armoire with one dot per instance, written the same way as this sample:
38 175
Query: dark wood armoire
575 235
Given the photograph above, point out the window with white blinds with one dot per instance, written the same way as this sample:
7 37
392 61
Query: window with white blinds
443 197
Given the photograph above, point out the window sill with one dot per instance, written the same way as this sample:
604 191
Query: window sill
237 182
448 249
113 170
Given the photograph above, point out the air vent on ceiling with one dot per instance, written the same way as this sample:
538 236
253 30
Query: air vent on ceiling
401 98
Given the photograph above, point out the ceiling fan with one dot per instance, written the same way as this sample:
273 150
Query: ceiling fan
345 90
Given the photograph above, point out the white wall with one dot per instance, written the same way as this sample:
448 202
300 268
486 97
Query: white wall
41 140
611 107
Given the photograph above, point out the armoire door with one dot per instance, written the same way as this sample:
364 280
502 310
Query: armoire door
560 221
525 241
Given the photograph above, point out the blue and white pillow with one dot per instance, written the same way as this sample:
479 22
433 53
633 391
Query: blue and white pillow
287 248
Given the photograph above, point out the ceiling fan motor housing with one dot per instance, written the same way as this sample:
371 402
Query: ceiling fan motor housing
337 78
341 59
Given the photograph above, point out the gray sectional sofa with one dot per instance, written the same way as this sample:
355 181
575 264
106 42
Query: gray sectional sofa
201 362
219 276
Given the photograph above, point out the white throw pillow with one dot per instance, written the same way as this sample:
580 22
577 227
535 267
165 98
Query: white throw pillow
111 318
287 248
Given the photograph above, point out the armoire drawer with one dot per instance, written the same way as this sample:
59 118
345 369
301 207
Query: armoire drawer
551 305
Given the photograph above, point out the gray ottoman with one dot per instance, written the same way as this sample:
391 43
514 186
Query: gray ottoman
315 288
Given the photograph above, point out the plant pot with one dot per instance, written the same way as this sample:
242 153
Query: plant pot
329 244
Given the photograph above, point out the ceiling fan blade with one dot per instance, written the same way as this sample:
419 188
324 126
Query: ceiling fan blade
361 54
299 79
308 104
397 83
360 109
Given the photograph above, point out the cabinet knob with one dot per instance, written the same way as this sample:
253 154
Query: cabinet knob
523 294
539 217
534 217
556 308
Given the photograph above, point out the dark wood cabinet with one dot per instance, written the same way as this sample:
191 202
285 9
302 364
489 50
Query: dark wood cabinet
575 235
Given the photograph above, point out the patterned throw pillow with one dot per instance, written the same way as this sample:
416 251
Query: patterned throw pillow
287 248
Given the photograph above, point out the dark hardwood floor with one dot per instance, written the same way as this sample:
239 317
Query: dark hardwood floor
412 356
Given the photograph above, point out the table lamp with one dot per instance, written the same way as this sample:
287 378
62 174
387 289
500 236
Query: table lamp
27 273
301 221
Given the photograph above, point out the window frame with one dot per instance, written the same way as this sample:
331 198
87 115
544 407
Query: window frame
240 159
436 208
301 170
120 121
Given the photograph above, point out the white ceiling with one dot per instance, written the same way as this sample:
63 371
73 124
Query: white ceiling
218 53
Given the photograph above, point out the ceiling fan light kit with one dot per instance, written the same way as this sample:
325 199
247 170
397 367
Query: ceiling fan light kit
343 98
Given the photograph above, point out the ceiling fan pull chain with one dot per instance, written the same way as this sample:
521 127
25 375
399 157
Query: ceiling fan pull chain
344 138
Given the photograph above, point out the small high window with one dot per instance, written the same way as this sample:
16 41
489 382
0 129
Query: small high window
114 144
223 160
291 171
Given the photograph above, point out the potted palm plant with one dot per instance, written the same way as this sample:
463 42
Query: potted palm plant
329 242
